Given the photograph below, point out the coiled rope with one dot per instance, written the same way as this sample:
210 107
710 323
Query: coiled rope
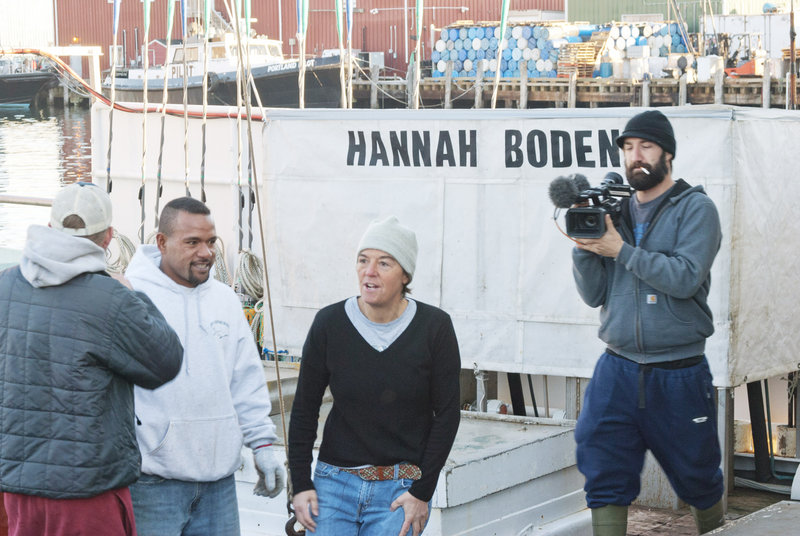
125 250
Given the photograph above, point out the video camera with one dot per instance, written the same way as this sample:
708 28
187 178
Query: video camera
588 220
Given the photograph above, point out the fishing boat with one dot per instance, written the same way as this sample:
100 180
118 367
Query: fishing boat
22 83
275 77
506 474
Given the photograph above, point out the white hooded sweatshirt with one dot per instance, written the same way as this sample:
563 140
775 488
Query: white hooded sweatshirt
192 428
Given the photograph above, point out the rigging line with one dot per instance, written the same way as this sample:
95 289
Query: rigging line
146 62
205 104
164 94
113 95
250 200
185 117
239 68
267 292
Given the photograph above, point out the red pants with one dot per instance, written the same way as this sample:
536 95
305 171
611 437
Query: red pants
109 514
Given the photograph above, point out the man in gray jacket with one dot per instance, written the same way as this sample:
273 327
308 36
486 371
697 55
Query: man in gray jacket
73 342
651 389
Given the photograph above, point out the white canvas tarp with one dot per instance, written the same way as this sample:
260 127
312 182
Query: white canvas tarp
474 186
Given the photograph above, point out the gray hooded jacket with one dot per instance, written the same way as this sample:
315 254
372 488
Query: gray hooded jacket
653 297
73 341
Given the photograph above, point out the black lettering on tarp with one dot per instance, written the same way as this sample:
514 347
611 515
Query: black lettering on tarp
354 148
608 149
421 147
399 148
378 150
537 148
561 147
513 152
468 148
582 148
444 150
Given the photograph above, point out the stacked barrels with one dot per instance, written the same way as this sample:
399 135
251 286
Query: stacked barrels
480 48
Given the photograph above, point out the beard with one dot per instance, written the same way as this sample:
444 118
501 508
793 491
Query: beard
641 181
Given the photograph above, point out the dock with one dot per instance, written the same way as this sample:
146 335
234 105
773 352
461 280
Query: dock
572 92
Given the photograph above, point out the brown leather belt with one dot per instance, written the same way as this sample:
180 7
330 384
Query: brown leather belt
387 472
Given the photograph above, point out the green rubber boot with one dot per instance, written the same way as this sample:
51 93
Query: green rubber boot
610 520
708 519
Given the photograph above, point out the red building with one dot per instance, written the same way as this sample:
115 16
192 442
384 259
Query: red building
386 26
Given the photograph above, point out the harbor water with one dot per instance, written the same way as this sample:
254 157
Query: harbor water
39 154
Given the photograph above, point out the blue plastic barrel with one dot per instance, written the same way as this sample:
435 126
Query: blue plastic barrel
453 34
512 65
480 54
471 33
533 73
445 34
435 56
506 54
462 33
512 43
606 70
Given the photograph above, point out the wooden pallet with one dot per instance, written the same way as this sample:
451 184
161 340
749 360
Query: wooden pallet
578 58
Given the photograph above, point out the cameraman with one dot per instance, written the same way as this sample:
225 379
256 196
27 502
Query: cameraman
651 388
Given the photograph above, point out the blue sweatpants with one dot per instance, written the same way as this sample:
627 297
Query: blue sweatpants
677 423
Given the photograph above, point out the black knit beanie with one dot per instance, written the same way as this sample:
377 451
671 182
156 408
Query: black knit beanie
651 125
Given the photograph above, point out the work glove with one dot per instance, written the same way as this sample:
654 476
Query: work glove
270 473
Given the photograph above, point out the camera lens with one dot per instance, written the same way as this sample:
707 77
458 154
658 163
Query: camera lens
590 221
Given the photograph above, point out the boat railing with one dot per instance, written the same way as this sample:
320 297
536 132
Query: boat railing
26 200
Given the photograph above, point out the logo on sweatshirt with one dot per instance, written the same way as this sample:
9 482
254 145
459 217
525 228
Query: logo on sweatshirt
220 329
652 299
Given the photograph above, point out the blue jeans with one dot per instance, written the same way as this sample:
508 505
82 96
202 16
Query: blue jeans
174 508
350 506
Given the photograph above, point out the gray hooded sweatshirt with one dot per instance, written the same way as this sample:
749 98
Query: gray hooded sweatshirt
653 297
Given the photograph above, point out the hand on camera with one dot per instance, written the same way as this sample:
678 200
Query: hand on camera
608 245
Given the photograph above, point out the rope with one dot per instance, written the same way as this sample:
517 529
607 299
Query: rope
146 62
125 251
111 113
164 95
251 274
185 120
265 272
205 118
221 272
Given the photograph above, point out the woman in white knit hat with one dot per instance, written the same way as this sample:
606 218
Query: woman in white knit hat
392 365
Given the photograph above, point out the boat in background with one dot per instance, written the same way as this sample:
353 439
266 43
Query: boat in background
22 81
275 77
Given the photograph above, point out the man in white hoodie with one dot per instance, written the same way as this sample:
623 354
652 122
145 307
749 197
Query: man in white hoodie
72 343
191 431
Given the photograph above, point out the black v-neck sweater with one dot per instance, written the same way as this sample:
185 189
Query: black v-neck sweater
398 405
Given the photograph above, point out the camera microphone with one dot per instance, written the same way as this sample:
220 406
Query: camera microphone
581 182
612 177
563 192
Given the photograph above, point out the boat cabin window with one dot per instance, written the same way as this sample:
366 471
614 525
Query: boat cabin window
191 55
275 50
258 50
